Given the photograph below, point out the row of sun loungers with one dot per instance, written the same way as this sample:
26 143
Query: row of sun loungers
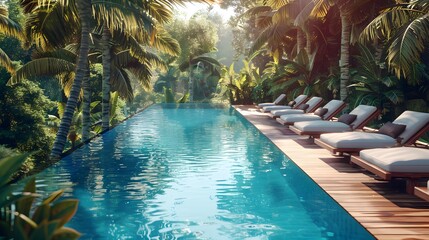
385 152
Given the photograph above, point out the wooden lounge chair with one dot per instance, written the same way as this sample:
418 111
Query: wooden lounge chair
333 107
297 101
400 162
416 124
277 101
364 114
312 104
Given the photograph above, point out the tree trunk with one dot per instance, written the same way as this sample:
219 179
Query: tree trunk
106 59
345 55
84 12
299 40
86 108
191 84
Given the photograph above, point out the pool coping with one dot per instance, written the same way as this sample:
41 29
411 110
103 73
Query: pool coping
383 208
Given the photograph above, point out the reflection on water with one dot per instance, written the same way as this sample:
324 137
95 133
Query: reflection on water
193 173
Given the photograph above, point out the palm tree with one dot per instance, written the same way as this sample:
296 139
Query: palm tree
276 18
84 13
349 11
8 28
405 30
102 9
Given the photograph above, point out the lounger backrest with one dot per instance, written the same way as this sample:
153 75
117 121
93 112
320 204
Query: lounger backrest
313 103
415 122
300 100
279 98
334 107
364 113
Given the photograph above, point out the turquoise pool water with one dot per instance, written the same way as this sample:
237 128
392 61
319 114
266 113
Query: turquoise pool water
193 172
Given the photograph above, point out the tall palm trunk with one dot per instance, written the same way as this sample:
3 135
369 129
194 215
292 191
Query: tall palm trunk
86 118
84 12
191 87
106 58
191 83
345 55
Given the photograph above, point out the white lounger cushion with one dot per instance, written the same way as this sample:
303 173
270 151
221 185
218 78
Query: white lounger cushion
322 126
401 159
414 122
314 101
332 106
277 101
287 111
291 118
362 112
275 107
261 105
298 100
357 140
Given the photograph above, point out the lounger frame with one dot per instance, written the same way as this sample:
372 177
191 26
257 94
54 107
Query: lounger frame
333 114
316 134
411 177
354 151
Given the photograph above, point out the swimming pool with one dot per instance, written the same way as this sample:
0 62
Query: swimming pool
193 171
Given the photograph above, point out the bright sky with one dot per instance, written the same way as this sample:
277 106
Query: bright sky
191 8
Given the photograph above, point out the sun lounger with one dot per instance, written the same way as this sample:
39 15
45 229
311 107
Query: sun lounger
364 114
295 103
276 102
333 107
416 124
310 106
401 162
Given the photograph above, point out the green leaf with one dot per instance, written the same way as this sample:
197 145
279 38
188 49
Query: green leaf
19 232
54 196
63 211
9 165
45 230
24 204
395 96
65 233
42 213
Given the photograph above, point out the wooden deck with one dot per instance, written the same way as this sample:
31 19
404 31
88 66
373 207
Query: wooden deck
383 208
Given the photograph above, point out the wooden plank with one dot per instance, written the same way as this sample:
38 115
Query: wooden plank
422 192
382 207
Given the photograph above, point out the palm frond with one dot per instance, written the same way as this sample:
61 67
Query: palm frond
388 22
9 27
122 17
408 46
155 60
6 62
42 67
163 41
305 13
62 53
53 25
255 11
276 4
261 40
121 82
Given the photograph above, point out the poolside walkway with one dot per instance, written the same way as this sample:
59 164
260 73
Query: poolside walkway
383 208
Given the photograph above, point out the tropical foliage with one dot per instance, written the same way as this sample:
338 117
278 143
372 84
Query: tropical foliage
21 217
